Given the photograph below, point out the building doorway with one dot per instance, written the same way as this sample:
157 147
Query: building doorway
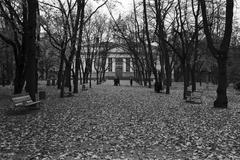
119 67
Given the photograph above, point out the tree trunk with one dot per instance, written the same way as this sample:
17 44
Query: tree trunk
193 76
77 67
3 74
222 53
19 79
20 54
100 76
222 101
185 83
84 77
168 73
153 68
68 76
60 73
148 74
80 75
138 73
104 78
188 70
144 78
90 80
97 77
63 84
31 66
75 80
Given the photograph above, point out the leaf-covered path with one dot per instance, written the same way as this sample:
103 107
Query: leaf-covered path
121 122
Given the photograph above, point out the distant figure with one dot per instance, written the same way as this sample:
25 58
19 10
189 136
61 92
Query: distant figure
116 81
131 81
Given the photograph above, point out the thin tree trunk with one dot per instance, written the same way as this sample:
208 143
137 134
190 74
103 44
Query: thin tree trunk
68 76
77 67
188 70
20 54
222 100
149 80
168 73
193 76
63 84
97 77
90 80
60 72
154 70
185 84
80 75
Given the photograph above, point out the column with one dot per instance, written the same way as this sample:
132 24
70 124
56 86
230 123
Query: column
106 65
131 65
113 64
93 67
124 65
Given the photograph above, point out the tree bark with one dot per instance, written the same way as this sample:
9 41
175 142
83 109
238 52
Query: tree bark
193 77
68 76
154 70
221 53
168 72
78 53
60 72
19 78
185 83
31 66
222 100
63 84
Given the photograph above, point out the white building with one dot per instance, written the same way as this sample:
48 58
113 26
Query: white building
119 63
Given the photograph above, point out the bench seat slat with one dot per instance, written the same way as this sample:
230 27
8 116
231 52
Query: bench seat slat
21 97
32 103
24 100
196 95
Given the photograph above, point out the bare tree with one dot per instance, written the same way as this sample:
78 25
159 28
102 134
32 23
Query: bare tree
158 84
161 11
24 30
221 52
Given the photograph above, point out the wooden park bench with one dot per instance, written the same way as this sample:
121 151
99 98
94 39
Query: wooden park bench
84 87
68 94
194 97
23 101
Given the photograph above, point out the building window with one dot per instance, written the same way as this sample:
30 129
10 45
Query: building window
110 64
128 65
119 61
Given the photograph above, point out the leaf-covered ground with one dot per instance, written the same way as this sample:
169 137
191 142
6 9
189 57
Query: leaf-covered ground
120 122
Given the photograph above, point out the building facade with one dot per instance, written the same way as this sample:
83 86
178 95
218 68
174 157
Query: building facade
118 64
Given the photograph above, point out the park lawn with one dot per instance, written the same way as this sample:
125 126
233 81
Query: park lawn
121 122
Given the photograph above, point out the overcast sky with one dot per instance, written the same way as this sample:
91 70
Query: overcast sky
126 6
123 7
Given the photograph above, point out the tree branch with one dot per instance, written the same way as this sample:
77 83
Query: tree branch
95 11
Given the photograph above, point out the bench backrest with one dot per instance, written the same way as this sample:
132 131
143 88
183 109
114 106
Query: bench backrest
21 99
188 93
